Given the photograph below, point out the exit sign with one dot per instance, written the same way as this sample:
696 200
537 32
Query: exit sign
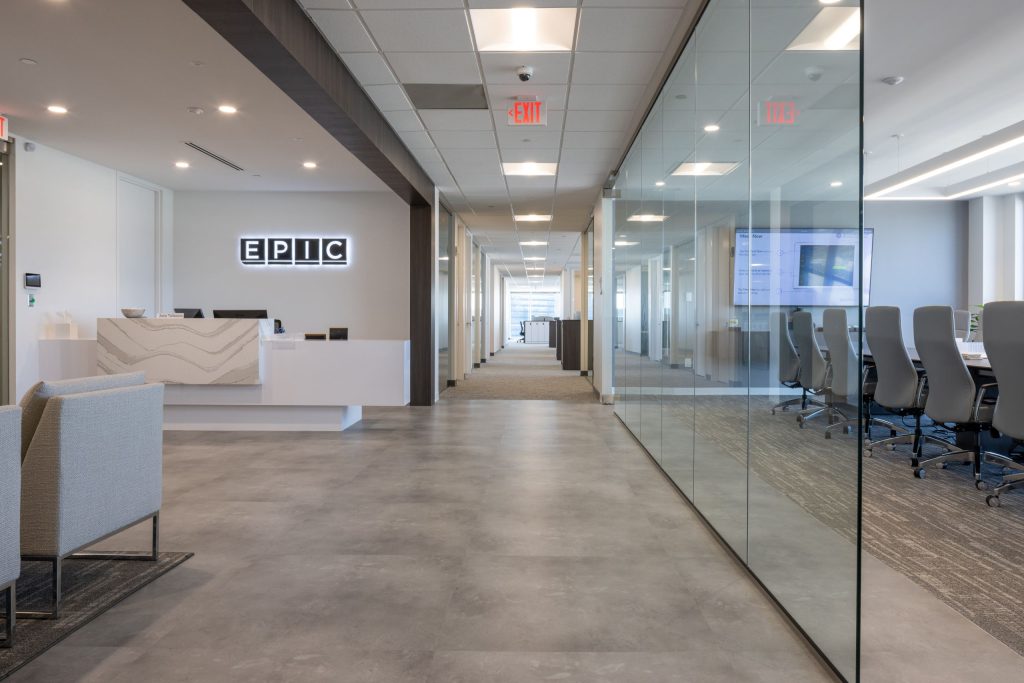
528 114
3 128
778 113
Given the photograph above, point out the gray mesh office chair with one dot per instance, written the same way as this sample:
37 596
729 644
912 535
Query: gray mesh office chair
814 371
789 362
1004 344
953 398
899 388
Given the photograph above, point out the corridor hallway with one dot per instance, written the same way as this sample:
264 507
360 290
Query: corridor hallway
523 372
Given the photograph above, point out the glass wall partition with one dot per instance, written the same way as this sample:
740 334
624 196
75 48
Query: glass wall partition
443 298
736 225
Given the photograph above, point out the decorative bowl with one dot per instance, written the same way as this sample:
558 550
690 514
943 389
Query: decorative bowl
133 312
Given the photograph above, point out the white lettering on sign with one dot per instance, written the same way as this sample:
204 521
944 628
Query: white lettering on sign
293 251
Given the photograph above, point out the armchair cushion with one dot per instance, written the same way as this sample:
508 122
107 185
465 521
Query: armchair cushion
34 401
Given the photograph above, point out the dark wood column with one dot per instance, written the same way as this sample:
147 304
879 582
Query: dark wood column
421 304
281 41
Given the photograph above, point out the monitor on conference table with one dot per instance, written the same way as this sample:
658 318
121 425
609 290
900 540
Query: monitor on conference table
800 267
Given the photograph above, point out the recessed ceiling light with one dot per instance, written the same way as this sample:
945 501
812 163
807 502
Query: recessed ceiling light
227 109
712 128
660 183
532 218
705 168
626 244
646 218
57 109
181 164
829 2
197 63
309 164
834 28
442 258
524 29
533 258
533 243
836 183
530 168
28 61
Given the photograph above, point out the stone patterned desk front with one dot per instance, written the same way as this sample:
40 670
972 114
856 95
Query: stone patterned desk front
181 350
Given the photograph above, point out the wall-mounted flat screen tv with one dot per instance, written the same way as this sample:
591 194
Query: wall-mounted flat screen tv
800 267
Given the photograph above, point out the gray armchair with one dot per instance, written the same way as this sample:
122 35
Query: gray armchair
815 373
1004 344
93 468
10 513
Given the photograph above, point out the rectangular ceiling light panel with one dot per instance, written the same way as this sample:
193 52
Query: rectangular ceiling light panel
705 168
530 168
524 29
833 28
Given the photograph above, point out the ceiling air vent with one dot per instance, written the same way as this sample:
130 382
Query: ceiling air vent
445 96
215 157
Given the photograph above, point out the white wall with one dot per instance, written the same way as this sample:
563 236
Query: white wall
66 229
919 256
370 296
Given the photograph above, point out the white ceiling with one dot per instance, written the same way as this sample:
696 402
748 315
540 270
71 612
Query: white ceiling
964 79
123 70
594 94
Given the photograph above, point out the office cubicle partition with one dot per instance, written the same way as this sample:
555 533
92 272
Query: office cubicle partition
740 199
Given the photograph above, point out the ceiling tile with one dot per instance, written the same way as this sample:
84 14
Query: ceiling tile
550 68
420 30
435 67
343 30
326 4
517 138
450 139
403 121
408 4
388 97
417 140
551 95
598 121
473 159
591 139
646 3
456 119
649 29
614 68
542 156
622 97
369 68
596 158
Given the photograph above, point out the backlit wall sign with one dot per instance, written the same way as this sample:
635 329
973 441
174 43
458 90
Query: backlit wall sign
294 251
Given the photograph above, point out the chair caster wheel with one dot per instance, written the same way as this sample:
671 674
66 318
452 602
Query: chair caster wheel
981 485
920 473
992 501
773 411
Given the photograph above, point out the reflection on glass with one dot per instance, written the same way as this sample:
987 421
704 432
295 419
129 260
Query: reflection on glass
736 206
444 284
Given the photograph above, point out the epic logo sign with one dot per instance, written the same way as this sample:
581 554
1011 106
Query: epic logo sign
294 251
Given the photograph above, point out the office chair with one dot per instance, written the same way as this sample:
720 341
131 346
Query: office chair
522 332
814 371
789 363
1004 345
900 387
962 324
848 383
953 399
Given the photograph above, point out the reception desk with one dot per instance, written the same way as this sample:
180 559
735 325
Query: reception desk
236 375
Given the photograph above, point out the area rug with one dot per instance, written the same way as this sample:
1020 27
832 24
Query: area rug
91 587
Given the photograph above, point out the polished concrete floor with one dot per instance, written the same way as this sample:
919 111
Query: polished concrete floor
476 541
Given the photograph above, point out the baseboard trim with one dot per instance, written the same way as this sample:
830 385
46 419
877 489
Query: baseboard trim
453 383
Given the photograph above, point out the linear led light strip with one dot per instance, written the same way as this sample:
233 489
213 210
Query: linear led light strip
987 186
945 168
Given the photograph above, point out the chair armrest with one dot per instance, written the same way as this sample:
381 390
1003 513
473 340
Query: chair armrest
922 383
980 398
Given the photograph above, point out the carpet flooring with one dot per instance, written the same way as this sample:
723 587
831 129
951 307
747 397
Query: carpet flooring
523 372
938 532
91 587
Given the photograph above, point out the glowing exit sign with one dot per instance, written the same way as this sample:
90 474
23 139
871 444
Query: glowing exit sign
781 113
528 114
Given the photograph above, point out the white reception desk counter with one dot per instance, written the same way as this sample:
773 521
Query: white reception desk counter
237 375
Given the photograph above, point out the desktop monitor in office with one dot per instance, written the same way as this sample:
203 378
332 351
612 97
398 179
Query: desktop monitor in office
190 312
257 313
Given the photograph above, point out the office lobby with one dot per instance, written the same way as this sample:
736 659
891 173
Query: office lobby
438 341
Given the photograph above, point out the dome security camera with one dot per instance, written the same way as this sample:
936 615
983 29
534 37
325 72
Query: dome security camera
525 73
814 73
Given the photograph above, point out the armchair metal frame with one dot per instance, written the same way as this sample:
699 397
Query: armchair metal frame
56 590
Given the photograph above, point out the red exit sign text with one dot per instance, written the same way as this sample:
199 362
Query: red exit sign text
527 114
778 113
